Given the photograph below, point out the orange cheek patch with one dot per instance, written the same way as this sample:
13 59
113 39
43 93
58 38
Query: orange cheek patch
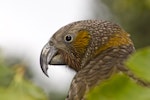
81 41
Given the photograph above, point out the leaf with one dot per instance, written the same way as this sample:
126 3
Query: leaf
139 63
21 88
120 86
6 75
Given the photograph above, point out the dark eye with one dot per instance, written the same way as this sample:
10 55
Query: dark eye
68 38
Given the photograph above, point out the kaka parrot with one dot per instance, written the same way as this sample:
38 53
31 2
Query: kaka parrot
95 49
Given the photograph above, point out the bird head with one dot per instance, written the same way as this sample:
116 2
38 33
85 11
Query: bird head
77 43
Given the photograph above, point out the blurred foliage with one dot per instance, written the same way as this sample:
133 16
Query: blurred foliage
134 16
14 85
139 63
121 87
57 96
6 75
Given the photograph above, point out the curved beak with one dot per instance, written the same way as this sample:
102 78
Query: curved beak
50 55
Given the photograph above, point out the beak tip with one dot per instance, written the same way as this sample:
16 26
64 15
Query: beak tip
46 74
44 69
44 66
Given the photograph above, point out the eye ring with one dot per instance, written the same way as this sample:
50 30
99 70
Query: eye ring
68 38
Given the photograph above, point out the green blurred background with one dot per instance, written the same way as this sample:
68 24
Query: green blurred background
16 76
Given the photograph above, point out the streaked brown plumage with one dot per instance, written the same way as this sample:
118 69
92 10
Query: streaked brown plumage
95 49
